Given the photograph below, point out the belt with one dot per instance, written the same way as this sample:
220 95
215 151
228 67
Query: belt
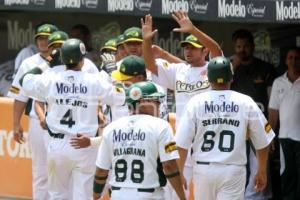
138 189
56 135
203 163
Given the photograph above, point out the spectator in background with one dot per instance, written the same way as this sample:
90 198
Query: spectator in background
284 107
252 77
83 33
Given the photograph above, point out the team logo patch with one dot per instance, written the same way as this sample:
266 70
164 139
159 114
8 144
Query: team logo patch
268 127
135 93
70 79
119 90
170 147
165 65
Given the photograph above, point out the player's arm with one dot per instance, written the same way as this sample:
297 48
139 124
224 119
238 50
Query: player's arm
99 182
18 110
161 53
82 141
39 108
173 175
260 180
148 34
187 26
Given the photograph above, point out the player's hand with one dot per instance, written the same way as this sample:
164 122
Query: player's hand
108 62
260 181
183 181
146 25
96 196
18 134
186 25
80 141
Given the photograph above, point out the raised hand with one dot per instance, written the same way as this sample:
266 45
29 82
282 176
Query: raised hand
186 25
147 27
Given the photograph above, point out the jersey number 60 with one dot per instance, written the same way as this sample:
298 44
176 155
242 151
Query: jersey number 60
209 143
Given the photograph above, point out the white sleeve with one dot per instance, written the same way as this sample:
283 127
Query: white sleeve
36 86
166 76
167 145
274 102
187 127
104 160
110 94
90 66
260 131
15 90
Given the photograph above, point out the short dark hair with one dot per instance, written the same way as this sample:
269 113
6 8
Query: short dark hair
83 29
243 34
292 48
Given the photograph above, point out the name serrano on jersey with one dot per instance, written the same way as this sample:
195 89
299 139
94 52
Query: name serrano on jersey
188 87
71 88
215 121
223 107
129 151
71 102
119 136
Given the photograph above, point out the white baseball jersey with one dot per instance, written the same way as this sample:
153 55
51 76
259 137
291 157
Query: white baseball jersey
285 97
185 80
26 52
72 98
216 123
131 146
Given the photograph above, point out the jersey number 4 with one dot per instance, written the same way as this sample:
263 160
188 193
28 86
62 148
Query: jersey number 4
137 171
67 119
209 143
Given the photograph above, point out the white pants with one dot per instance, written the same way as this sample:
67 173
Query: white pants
67 165
134 194
170 193
38 139
219 182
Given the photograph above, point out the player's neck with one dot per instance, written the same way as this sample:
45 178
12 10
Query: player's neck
218 86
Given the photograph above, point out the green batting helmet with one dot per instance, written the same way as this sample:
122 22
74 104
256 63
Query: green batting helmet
72 51
142 90
57 37
219 70
45 30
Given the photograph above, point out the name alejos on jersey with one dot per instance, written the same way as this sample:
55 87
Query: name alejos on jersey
71 102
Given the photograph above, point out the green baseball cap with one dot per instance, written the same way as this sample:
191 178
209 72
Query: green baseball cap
142 90
111 44
219 70
45 29
191 39
57 37
120 40
133 34
131 66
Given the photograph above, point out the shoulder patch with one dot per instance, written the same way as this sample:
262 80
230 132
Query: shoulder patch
171 146
165 65
268 127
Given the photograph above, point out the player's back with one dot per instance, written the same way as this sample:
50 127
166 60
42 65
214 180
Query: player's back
72 98
135 143
222 118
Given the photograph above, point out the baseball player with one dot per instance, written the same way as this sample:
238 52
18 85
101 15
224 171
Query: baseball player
110 46
36 135
185 79
121 53
73 98
216 124
138 147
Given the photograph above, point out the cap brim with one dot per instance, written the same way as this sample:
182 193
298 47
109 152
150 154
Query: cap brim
119 76
56 42
110 48
157 94
42 34
133 40
191 43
